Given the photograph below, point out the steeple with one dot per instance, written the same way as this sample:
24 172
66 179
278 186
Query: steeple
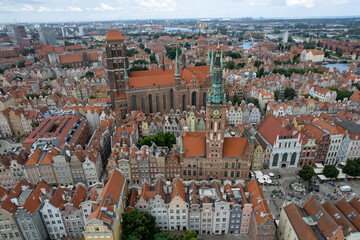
183 58
208 57
212 62
217 95
177 72
221 60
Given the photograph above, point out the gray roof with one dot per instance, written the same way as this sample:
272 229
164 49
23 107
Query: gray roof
350 126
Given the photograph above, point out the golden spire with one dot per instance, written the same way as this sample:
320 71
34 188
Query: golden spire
218 45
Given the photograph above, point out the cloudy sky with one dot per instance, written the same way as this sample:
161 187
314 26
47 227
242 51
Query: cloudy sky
91 10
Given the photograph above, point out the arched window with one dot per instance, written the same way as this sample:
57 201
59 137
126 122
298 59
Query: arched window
171 99
143 102
150 104
193 99
184 102
157 103
164 101
284 157
275 160
134 103
204 99
293 158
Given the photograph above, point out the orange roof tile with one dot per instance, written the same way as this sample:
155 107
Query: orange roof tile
34 157
194 144
302 229
33 201
234 146
114 35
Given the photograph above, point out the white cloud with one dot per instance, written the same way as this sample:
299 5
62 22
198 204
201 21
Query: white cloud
104 7
107 7
301 3
341 1
27 8
259 3
44 9
74 9
157 5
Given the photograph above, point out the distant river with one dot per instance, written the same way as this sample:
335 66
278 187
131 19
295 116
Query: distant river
175 29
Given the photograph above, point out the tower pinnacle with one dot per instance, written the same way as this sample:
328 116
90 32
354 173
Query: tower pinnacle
177 72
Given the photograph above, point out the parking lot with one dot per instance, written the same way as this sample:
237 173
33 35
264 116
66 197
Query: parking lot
327 191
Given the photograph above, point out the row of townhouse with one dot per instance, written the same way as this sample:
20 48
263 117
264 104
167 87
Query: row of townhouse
238 114
206 207
144 164
39 212
314 139
325 220
16 121
63 167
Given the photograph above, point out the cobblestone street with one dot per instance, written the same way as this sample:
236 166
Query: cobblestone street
327 191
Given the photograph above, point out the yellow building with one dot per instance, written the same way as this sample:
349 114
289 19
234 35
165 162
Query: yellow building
257 158
292 226
5 126
145 129
16 123
178 207
191 122
105 222
124 166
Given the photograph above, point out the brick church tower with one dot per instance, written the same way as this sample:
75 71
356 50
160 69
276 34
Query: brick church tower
116 67
215 116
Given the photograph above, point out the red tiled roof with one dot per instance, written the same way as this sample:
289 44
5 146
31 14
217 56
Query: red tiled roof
178 188
114 35
302 229
234 146
33 201
34 157
325 223
339 218
75 58
194 144
78 197
260 204
57 199
271 128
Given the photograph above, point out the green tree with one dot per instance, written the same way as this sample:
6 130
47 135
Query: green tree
276 95
257 63
352 167
146 141
139 224
131 52
202 63
21 64
148 51
234 55
290 93
89 74
254 101
307 172
330 171
139 61
153 59
92 97
240 65
229 65
138 68
236 100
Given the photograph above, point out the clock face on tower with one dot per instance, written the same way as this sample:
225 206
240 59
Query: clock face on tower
216 113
